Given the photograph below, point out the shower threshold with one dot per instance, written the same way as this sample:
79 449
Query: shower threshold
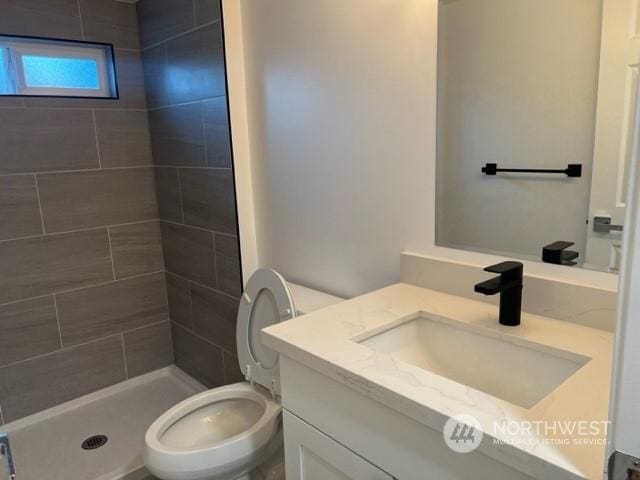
99 436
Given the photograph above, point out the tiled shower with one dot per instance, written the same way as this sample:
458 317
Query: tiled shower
118 233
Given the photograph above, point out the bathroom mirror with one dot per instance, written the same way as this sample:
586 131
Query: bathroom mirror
534 127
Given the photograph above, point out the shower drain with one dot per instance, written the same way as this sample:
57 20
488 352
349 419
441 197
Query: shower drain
96 441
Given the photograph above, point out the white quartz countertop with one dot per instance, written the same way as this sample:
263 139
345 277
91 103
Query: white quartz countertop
326 341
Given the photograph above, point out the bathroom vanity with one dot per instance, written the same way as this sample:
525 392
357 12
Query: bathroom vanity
368 385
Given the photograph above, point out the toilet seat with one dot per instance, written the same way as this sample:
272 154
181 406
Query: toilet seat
266 300
170 459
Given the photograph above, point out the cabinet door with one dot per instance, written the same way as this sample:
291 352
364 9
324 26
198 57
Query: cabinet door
311 455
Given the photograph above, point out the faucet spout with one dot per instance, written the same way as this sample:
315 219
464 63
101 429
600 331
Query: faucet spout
509 286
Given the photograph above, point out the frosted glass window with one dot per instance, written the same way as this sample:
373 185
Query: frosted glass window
42 67
60 72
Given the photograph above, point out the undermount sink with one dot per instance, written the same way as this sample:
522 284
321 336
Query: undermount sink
506 367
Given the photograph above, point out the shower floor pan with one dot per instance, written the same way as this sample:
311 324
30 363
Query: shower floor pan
48 445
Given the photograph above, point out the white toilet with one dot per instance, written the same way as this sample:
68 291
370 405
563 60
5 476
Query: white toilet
227 432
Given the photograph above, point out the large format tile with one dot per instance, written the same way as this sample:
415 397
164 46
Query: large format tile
49 380
111 22
28 329
228 264
123 138
137 249
214 316
232 373
189 253
148 348
163 19
154 60
179 300
42 18
200 359
43 265
96 312
216 128
46 140
207 11
19 210
196 62
75 200
208 199
177 135
168 193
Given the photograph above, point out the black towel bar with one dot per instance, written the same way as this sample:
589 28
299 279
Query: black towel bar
573 170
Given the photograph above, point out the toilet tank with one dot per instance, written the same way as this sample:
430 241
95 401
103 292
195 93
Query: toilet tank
307 300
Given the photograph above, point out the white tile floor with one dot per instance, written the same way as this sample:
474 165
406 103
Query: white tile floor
46 446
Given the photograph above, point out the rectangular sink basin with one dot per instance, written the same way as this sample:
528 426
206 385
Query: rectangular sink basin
506 367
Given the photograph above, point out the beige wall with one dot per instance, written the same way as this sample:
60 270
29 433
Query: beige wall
340 101
517 87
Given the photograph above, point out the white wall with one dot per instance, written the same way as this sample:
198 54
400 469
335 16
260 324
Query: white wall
517 87
340 102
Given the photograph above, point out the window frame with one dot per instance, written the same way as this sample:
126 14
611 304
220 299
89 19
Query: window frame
102 53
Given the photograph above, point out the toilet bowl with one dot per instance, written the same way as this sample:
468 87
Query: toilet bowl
226 432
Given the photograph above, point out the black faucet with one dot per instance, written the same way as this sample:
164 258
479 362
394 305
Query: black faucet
509 286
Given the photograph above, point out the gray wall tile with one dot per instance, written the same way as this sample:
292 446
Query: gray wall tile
200 359
46 140
49 380
96 312
43 265
137 249
28 329
163 19
179 300
123 138
111 22
177 135
43 18
232 373
188 252
208 199
196 60
228 264
168 193
154 61
19 209
147 349
216 128
214 316
76 200
207 11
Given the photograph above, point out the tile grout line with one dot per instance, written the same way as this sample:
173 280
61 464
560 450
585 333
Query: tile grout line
186 32
88 229
215 258
44 230
95 132
186 167
80 18
83 170
113 263
204 134
180 196
195 18
55 306
182 104
178 224
124 356
204 339
191 320
203 285
1 416
85 287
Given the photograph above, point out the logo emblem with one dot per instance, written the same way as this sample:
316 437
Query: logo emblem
462 433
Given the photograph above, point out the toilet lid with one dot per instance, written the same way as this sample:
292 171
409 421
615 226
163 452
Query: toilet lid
265 301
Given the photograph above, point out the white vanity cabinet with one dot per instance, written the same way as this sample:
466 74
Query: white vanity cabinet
312 455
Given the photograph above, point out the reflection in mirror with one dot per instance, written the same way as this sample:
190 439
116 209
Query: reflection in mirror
544 86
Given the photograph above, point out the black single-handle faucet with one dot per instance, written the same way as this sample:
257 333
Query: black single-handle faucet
509 286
